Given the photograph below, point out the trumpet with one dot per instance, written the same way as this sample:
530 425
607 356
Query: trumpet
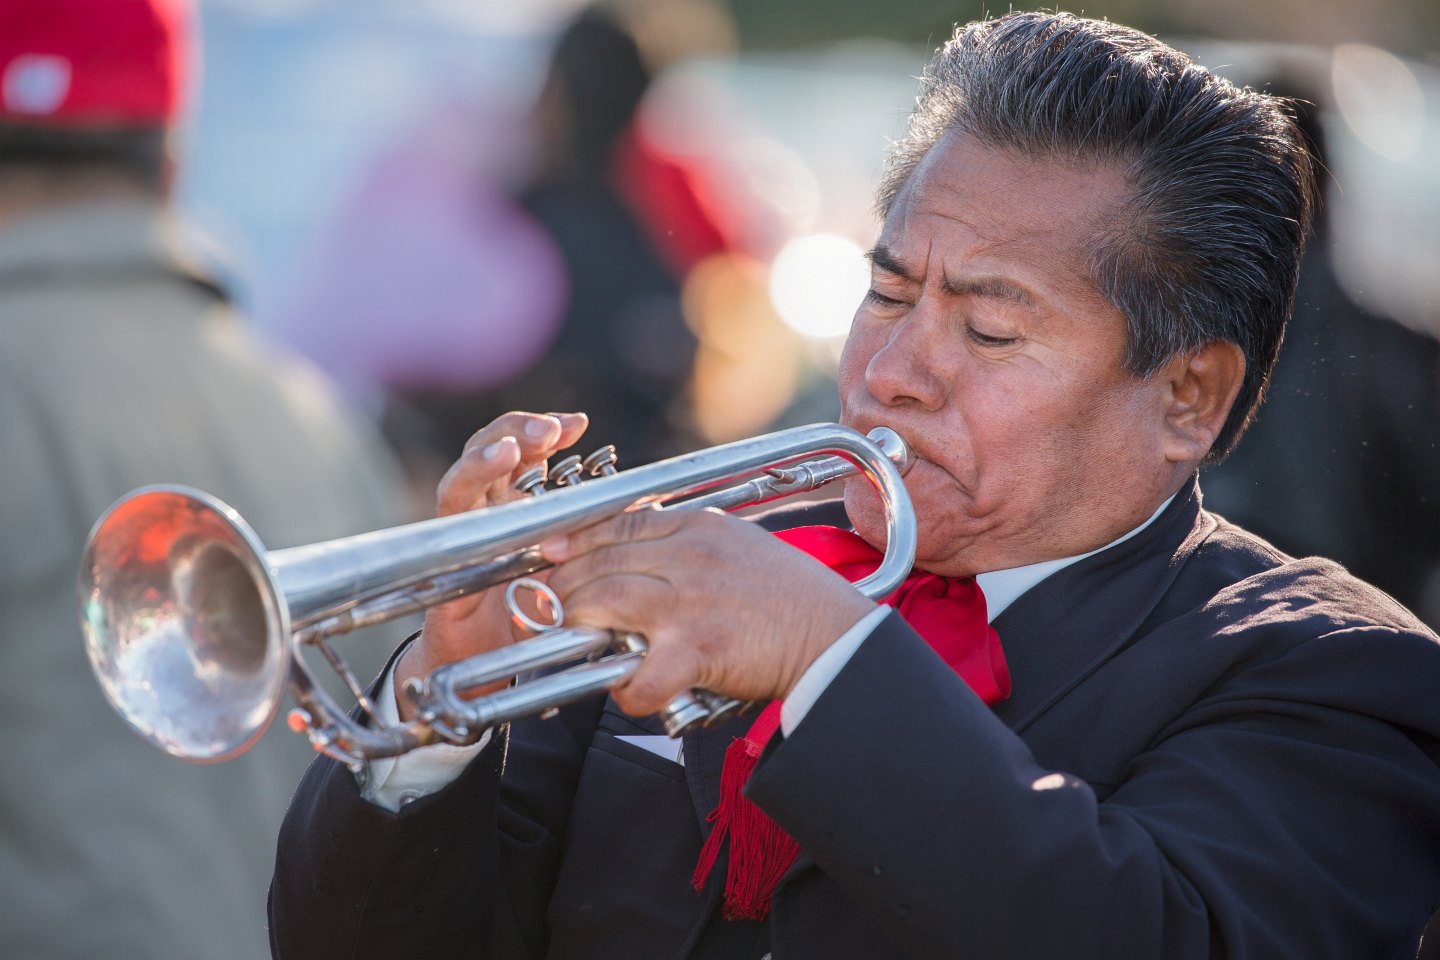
194 630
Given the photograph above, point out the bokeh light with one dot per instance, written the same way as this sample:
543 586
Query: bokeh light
1380 99
816 283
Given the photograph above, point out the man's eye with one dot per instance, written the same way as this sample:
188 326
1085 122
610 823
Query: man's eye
878 299
986 340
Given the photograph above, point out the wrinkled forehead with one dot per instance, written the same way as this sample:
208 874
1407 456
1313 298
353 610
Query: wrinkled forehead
1042 210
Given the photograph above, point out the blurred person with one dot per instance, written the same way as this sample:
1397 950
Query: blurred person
1096 721
677 199
1343 461
123 364
623 352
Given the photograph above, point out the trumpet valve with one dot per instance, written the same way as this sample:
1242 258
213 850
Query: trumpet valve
721 708
683 714
601 463
567 472
532 481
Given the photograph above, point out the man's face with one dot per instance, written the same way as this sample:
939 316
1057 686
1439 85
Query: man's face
985 342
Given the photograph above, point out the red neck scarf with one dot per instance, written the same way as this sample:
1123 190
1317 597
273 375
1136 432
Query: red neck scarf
948 614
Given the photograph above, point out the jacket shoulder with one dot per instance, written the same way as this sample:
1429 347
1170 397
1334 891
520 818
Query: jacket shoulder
1251 582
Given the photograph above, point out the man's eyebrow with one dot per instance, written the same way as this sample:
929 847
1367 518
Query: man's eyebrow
995 288
992 287
885 258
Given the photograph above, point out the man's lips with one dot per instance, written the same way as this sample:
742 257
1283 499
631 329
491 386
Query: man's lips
925 463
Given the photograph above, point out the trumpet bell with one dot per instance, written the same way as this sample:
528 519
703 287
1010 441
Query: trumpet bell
183 623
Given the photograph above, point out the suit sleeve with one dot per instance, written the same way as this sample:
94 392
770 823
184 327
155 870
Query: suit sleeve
463 872
1292 812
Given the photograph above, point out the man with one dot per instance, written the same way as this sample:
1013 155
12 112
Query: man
1209 749
619 347
122 365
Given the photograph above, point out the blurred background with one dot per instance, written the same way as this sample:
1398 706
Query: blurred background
421 213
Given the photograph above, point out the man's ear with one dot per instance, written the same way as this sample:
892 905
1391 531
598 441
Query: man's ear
1202 386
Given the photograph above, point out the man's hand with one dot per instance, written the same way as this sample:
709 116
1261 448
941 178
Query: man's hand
723 604
483 476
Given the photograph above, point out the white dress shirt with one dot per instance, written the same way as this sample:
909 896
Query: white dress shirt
395 781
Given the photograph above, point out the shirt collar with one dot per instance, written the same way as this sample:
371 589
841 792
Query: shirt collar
1002 587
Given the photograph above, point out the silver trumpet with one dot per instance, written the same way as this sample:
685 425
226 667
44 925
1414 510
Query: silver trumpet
194 629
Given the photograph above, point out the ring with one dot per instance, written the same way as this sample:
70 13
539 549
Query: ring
542 591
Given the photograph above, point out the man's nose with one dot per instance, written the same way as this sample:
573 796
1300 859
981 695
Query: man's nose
911 367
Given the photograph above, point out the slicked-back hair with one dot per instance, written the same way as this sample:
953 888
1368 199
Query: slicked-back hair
1207 245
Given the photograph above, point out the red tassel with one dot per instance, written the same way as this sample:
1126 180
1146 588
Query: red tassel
949 614
760 852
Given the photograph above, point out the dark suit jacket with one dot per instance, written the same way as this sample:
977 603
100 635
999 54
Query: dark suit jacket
1212 750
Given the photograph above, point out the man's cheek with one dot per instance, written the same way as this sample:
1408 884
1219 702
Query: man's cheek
863 506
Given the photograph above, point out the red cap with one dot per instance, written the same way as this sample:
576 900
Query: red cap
85 63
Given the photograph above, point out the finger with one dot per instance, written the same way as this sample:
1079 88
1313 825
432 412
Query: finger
572 427
617 561
539 434
469 481
629 527
662 676
536 434
624 601
621 603
510 424
455 610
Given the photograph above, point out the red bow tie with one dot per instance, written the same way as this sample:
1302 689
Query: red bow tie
948 614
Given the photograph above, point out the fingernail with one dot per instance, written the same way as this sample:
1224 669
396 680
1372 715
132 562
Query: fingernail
491 451
539 429
554 549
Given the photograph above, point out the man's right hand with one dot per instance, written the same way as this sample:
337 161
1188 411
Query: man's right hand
484 476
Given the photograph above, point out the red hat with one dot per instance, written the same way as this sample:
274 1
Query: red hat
85 63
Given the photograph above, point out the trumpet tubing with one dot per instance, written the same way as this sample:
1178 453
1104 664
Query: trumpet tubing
195 630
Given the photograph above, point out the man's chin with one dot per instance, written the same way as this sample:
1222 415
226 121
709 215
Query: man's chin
865 510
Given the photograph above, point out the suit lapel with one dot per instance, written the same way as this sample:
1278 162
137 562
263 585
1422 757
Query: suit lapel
704 759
